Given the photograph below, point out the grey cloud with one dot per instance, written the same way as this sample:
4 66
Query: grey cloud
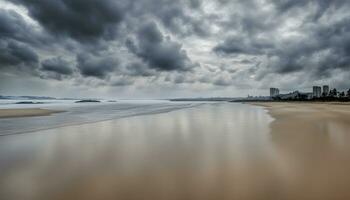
222 82
174 17
181 17
326 47
57 65
15 54
234 42
139 69
122 81
158 51
242 45
195 3
80 19
96 66
320 5
321 48
285 5
12 26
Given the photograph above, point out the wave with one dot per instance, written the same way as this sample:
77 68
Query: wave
82 114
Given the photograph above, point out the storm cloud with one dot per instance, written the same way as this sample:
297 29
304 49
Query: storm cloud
192 47
96 66
17 55
158 51
80 19
57 65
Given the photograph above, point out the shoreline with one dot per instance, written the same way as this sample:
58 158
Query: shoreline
26 112
314 139
81 123
304 119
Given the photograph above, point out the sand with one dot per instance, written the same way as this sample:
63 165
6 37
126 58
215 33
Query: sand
302 124
305 118
222 151
26 112
313 142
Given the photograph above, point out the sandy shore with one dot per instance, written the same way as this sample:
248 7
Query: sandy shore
26 112
293 119
313 141
307 117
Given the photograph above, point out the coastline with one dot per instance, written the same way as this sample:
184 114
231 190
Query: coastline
78 114
304 117
312 142
26 112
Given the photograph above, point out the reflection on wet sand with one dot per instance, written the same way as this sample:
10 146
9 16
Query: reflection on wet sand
313 142
221 151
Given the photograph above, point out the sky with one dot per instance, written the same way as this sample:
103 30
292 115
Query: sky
172 48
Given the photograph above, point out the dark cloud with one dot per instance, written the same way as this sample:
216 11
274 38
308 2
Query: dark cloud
139 69
96 66
320 6
181 17
222 82
122 81
285 5
195 3
325 48
57 65
242 45
158 51
12 26
175 18
236 43
80 19
14 54
321 47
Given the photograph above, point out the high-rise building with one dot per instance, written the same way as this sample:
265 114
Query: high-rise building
274 92
325 90
316 91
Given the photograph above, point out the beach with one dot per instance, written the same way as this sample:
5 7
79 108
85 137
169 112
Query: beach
210 151
23 118
313 139
308 118
26 112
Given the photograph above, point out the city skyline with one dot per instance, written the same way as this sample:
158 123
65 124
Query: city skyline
317 93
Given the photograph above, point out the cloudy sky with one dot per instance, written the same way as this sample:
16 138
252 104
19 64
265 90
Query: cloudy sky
172 48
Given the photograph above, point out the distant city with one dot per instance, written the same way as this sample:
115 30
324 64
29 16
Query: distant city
318 93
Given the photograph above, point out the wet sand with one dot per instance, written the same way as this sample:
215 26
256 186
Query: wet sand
200 153
25 112
313 140
308 118
222 151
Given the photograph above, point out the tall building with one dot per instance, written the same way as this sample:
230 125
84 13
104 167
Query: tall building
316 91
274 92
325 90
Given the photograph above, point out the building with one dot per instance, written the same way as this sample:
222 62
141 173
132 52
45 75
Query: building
274 92
316 91
308 95
289 96
296 95
325 91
